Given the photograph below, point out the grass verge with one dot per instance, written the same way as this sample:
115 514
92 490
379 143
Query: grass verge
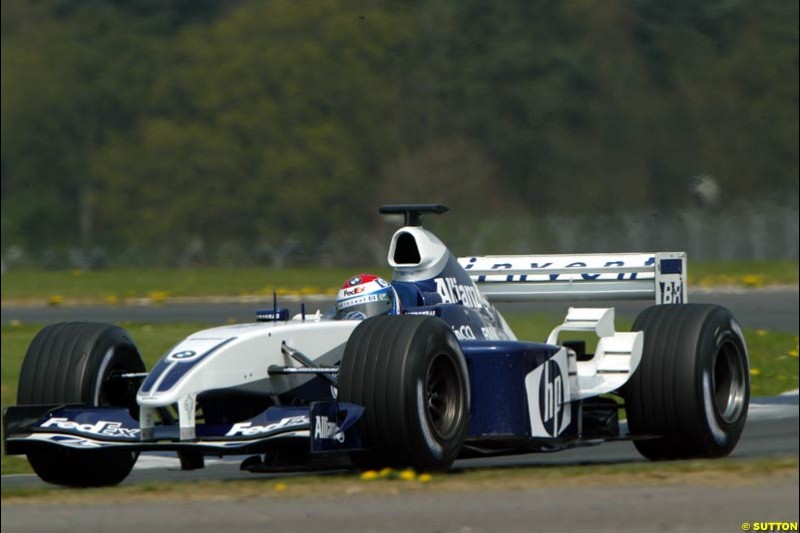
117 286
743 273
712 473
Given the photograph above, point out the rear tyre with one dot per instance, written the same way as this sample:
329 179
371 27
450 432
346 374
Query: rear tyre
411 377
80 362
692 387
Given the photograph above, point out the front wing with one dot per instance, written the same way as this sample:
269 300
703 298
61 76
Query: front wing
325 426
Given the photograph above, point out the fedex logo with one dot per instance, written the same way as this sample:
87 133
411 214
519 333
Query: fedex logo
247 429
354 291
102 427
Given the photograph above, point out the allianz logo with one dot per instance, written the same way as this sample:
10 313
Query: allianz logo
325 429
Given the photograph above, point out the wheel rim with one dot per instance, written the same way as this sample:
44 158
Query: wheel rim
115 391
112 390
728 380
443 395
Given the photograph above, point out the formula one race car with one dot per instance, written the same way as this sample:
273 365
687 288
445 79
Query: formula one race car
437 375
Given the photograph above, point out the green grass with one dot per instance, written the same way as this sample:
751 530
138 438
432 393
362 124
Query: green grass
116 285
743 273
773 356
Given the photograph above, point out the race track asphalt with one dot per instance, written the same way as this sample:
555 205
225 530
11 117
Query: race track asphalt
774 308
595 508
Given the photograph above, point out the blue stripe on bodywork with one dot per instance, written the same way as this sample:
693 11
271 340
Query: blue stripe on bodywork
180 369
161 366
154 374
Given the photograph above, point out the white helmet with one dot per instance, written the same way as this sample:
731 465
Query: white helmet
364 296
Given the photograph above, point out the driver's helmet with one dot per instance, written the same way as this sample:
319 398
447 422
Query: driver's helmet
364 296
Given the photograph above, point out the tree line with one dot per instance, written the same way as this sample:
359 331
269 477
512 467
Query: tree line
150 126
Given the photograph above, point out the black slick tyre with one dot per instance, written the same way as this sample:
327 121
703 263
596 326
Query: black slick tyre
691 390
81 363
411 377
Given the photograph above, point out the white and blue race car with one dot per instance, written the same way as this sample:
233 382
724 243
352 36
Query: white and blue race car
445 378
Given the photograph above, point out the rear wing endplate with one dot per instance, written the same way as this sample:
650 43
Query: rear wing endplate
525 278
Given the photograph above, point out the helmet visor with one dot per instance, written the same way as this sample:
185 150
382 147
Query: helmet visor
361 307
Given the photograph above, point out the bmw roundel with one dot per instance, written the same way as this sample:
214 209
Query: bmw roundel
183 356
355 281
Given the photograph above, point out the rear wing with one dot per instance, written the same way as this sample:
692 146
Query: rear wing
525 278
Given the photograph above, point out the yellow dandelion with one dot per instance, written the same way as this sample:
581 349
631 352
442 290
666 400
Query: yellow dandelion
793 353
309 290
55 300
369 475
408 475
158 297
15 323
761 332
385 472
111 299
752 280
424 478
703 281
280 487
755 372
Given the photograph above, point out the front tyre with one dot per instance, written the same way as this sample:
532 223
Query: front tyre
692 387
411 377
81 362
